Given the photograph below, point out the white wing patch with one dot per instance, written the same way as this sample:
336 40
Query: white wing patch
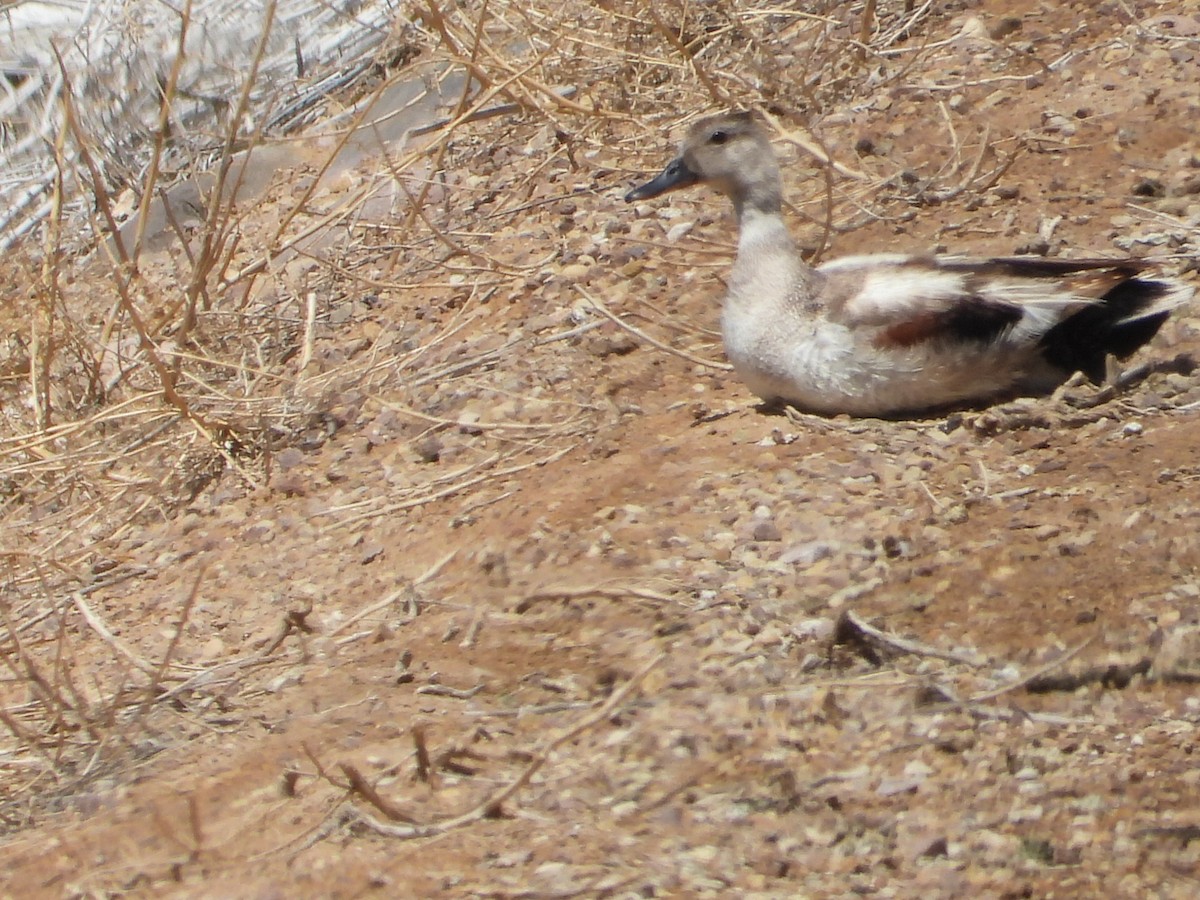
893 288
1043 303
890 295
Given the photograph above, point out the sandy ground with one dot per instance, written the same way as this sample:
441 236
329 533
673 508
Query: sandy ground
530 607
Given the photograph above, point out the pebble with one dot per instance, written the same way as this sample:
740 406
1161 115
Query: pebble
766 530
807 553
679 230
818 628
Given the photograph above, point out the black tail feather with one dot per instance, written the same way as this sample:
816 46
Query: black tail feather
1123 321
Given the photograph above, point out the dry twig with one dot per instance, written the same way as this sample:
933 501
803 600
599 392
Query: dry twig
579 592
642 336
852 628
493 805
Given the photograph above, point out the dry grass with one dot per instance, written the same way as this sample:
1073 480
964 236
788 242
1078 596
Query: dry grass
144 376
134 379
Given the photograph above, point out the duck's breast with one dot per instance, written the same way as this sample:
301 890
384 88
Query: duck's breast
806 361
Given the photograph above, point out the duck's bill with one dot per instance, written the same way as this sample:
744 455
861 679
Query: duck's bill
676 175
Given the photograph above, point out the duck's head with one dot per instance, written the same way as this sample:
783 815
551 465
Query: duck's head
732 153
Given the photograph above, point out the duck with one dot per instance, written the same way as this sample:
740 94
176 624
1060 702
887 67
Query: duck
892 334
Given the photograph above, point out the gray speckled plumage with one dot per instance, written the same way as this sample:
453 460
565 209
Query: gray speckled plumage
889 333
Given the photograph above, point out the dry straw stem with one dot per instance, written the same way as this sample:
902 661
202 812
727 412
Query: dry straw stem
122 81
466 112
852 627
580 592
363 788
60 705
342 211
153 689
642 336
64 720
406 592
273 247
444 690
476 110
716 95
90 466
105 634
215 245
150 181
560 427
124 272
458 484
533 88
493 806
1037 673
439 23
864 32
49 296
814 149
425 770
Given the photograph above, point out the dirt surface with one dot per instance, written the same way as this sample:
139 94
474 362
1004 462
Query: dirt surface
584 620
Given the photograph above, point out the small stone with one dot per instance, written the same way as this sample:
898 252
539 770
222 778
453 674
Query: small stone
679 230
1188 185
766 530
467 423
815 629
1178 658
1057 123
289 484
1148 187
288 458
903 784
610 345
429 448
956 514
807 553
1035 246
894 547
1002 28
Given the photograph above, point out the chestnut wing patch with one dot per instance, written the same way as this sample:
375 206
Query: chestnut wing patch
972 319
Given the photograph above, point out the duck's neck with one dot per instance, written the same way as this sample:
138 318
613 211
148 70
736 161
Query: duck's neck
761 200
758 227
758 203
757 187
763 235
768 267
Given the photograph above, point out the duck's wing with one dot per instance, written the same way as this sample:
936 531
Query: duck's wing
907 300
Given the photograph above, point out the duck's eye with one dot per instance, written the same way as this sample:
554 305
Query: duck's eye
718 137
